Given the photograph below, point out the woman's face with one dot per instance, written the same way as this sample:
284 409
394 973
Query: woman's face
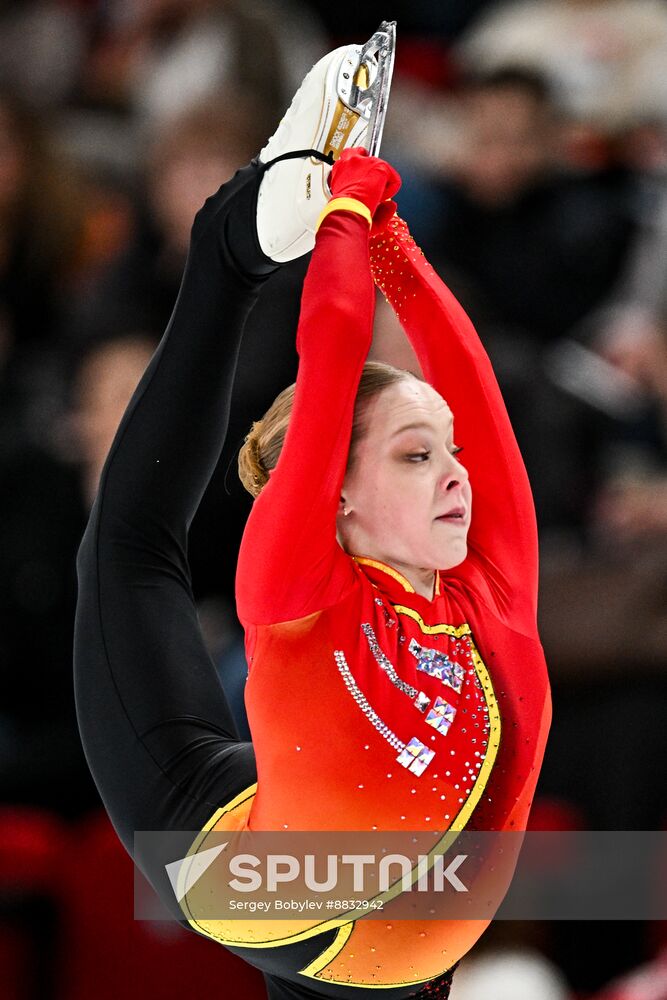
408 496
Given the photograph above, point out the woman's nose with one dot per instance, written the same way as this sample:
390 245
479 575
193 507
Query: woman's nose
450 481
455 475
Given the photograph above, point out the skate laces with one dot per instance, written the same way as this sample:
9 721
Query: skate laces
298 153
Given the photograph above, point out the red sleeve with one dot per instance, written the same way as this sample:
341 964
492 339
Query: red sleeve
290 563
501 567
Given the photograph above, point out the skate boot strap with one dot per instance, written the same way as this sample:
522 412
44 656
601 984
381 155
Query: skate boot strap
315 153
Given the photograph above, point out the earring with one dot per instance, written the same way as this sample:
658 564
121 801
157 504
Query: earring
345 512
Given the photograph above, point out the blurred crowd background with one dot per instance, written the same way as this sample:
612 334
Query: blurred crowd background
532 140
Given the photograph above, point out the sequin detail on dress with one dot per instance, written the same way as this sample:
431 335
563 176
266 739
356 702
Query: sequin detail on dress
438 664
416 757
413 755
421 701
441 715
386 664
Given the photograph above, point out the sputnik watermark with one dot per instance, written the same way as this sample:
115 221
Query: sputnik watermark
284 868
272 872
429 875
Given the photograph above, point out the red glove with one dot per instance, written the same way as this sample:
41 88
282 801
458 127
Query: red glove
385 213
369 179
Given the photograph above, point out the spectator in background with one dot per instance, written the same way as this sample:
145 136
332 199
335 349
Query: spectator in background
189 156
105 381
537 248
41 217
41 47
41 760
605 58
155 59
40 222
632 506
643 287
45 497
631 331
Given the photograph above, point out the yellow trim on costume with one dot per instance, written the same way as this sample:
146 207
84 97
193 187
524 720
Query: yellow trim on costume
346 922
332 952
242 942
465 812
350 982
233 804
198 842
226 938
389 570
348 205
454 630
329 953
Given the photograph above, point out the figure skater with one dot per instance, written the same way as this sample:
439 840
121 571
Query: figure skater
386 582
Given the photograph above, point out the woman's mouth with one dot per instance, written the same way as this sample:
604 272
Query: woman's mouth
455 515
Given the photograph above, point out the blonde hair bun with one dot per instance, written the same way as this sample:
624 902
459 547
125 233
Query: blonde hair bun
252 472
261 449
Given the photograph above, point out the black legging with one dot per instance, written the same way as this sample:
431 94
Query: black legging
157 731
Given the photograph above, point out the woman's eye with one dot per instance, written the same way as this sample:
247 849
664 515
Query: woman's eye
457 448
418 456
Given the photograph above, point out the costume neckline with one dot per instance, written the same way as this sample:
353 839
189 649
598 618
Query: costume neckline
396 575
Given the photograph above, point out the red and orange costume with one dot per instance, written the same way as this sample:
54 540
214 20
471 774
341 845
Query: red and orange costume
393 711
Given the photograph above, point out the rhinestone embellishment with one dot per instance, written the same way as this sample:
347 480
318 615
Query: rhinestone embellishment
363 704
438 664
386 664
422 701
413 755
416 757
441 715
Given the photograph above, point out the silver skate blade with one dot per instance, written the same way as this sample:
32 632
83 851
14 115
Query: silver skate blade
377 56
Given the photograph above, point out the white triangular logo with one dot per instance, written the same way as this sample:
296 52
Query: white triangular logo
185 873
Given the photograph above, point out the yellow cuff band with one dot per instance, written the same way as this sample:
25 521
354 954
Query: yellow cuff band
348 205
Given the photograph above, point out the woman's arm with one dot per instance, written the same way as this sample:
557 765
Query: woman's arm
501 566
290 563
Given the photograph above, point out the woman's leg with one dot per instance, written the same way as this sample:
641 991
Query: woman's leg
156 728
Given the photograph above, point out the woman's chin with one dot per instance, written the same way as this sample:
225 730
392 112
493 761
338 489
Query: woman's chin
455 555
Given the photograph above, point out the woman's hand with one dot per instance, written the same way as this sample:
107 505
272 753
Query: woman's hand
369 180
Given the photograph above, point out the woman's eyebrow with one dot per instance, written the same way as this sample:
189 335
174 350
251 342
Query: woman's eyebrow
416 426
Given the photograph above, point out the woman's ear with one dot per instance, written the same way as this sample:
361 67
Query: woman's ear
343 507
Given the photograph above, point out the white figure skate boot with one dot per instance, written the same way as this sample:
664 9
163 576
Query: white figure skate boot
342 102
